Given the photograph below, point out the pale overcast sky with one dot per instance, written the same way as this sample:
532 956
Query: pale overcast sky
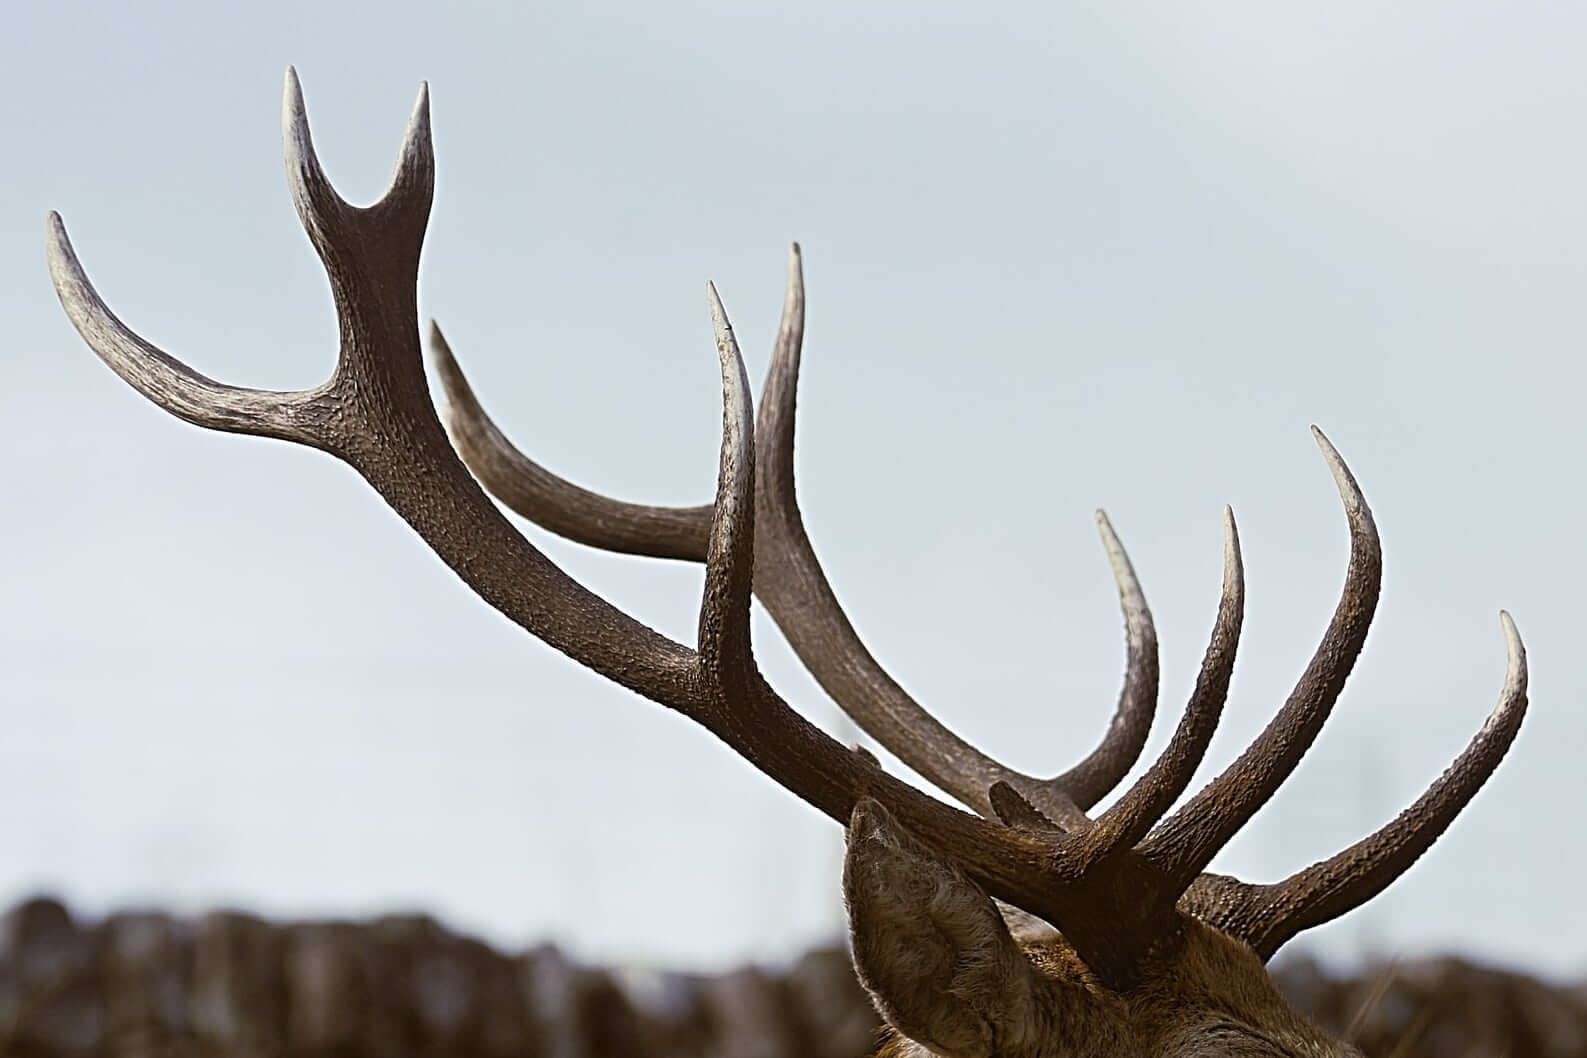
1059 257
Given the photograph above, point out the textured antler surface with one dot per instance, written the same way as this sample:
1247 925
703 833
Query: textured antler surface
790 582
1186 842
1266 916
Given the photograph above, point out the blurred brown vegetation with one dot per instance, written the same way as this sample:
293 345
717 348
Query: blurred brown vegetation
146 984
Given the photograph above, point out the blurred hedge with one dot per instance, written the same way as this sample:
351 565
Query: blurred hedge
146 984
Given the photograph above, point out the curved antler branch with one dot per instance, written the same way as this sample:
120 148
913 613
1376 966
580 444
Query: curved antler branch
393 225
1105 767
1267 916
1185 843
1129 820
160 377
559 505
726 657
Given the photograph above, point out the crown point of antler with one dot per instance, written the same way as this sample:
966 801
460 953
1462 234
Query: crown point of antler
1349 491
294 116
1137 615
1515 656
735 378
417 145
1233 567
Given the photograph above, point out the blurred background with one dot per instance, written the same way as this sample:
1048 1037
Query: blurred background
1058 258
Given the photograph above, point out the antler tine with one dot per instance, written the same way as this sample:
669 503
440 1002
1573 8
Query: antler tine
1091 780
1129 820
791 583
552 502
1271 914
325 213
162 378
395 223
726 656
1185 843
312 193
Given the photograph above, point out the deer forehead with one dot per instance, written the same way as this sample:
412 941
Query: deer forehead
1211 996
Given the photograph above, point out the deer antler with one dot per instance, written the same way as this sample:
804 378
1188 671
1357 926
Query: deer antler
1112 894
790 582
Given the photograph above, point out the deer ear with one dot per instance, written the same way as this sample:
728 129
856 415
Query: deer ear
931 947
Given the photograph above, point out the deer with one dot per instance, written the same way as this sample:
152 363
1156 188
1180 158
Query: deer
1026 923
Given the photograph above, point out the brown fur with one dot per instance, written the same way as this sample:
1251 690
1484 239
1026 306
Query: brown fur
955 976
1212 997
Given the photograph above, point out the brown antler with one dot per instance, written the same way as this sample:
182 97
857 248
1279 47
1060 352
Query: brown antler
1266 916
1112 899
790 582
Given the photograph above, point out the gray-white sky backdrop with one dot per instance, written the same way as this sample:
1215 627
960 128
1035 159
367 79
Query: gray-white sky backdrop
1059 256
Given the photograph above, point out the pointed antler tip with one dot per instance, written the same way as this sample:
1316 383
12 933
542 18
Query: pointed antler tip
417 155
793 306
718 310
1231 531
1331 454
1110 539
1512 701
1512 636
421 108
294 116
459 396
735 380
58 246
1349 491
441 353
1233 563
292 90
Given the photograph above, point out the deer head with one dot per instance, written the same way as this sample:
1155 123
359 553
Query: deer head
1024 927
